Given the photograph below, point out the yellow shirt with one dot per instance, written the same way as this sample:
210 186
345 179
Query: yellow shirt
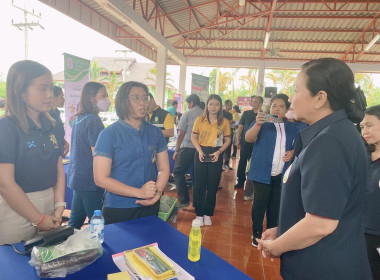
211 135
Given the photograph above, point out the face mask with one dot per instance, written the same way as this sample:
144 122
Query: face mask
103 104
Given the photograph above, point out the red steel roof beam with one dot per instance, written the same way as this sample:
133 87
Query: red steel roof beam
269 23
360 37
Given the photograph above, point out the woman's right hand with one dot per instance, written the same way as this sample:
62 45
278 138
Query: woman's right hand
148 190
201 155
49 223
260 118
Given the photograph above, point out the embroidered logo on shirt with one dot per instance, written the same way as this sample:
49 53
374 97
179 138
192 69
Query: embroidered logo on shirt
31 144
53 139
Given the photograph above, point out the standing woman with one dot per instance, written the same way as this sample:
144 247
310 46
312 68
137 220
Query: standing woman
370 128
87 197
32 179
320 232
59 102
211 136
236 118
271 155
126 155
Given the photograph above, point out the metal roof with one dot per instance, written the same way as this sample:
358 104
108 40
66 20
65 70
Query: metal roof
299 29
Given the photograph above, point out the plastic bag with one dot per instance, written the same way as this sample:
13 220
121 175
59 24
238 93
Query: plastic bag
70 256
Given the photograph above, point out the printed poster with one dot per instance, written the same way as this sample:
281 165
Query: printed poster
77 74
199 86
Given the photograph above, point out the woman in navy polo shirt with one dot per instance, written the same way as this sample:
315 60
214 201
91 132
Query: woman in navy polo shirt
370 128
320 232
126 155
87 197
271 155
32 179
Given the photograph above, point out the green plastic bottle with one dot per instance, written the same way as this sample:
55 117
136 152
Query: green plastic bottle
195 241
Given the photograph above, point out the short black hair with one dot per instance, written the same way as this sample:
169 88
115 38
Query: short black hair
122 104
193 98
259 97
283 97
57 91
228 101
175 102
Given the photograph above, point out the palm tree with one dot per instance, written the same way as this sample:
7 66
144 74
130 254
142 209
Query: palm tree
224 80
96 73
112 84
250 80
283 79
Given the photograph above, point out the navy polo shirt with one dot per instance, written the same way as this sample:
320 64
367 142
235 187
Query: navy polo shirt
85 132
263 151
34 155
327 178
372 209
133 153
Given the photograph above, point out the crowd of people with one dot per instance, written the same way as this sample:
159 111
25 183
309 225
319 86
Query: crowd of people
309 169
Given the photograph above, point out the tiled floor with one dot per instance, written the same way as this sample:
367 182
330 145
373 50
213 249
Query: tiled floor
230 234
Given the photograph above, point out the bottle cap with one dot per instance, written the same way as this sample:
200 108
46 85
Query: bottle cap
98 212
196 223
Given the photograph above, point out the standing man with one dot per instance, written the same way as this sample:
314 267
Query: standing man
184 150
227 115
246 148
173 109
160 118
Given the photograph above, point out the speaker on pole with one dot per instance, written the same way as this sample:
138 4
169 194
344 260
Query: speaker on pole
270 91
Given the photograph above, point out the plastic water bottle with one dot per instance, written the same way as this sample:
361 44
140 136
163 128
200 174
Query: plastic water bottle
195 241
97 226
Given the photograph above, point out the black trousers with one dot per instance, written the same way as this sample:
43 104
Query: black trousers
266 198
373 242
227 152
245 155
115 215
206 180
185 159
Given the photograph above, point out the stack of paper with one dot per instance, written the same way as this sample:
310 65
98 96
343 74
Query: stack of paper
149 263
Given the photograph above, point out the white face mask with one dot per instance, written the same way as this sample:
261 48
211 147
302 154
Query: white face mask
103 104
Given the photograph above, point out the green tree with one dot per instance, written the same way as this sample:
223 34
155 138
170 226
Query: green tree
365 82
2 86
250 81
170 88
283 79
112 84
96 73
225 79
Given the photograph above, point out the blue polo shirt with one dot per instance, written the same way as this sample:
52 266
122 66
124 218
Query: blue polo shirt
34 155
263 150
85 132
133 153
372 209
327 178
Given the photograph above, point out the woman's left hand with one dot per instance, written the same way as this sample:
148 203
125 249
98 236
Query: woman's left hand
215 156
267 249
151 201
58 212
288 156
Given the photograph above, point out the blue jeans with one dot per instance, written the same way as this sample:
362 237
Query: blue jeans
83 205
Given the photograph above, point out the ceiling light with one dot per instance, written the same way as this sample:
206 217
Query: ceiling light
370 44
266 40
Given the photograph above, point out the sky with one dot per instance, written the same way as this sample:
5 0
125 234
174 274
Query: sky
63 34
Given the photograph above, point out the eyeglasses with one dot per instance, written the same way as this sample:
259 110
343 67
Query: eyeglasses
137 98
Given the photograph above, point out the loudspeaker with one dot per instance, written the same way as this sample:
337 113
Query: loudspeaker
270 91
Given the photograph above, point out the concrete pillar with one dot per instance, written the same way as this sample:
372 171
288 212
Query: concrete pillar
162 55
182 84
260 82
